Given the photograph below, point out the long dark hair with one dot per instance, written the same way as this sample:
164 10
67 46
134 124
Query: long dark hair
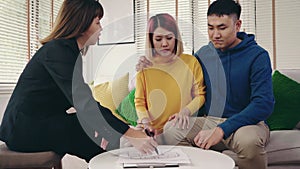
74 18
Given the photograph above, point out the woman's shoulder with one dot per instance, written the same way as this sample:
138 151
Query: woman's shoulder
188 58
57 49
61 43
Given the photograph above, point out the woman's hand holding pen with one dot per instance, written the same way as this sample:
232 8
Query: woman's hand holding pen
151 134
145 125
141 141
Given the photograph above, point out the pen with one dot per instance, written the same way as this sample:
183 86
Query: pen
151 134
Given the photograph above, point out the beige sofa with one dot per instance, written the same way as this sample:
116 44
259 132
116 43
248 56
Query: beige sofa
284 147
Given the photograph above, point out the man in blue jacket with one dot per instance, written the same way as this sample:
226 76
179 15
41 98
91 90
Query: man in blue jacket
239 95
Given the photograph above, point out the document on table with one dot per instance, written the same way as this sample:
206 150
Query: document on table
166 157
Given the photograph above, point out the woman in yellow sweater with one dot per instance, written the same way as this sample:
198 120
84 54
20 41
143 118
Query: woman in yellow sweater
173 87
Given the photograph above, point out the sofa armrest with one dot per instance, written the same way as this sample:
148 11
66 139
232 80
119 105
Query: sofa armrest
292 73
298 126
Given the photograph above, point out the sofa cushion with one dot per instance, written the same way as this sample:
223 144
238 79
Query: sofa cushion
110 94
286 112
13 159
284 147
127 110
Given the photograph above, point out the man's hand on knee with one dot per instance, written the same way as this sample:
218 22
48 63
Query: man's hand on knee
207 138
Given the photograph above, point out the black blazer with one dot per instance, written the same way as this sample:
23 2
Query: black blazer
45 90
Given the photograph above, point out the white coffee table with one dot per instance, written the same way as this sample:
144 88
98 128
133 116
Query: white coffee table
200 159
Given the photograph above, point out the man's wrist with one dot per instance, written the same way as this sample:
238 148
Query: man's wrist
220 131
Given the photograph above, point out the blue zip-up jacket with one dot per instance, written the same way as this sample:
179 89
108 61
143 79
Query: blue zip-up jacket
239 83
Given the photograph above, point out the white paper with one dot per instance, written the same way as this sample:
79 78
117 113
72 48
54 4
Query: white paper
166 156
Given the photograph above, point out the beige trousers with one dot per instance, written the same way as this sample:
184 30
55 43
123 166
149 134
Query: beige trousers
248 141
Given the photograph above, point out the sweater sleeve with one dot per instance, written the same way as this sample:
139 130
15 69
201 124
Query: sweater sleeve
198 88
140 96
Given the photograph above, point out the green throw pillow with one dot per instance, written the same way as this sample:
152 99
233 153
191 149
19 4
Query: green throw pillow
127 110
286 112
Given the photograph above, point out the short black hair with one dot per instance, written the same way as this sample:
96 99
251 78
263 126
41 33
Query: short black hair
224 7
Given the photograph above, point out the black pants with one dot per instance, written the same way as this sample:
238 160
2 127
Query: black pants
61 134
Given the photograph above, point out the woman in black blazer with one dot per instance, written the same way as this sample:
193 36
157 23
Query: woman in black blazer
35 118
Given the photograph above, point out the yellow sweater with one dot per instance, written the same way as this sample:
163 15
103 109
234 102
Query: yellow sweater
165 89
